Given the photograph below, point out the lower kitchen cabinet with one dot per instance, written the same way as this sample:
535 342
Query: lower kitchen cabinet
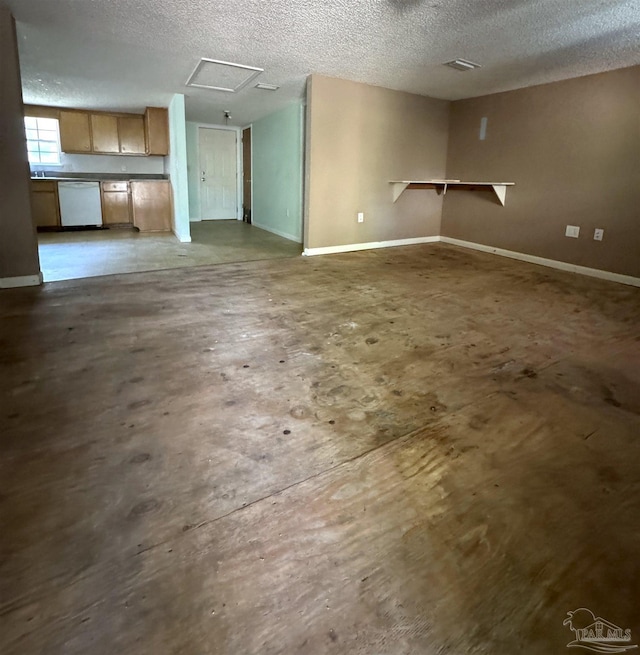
45 208
116 206
151 205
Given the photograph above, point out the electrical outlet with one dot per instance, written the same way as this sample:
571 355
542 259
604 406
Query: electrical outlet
360 217
572 231
598 234
123 168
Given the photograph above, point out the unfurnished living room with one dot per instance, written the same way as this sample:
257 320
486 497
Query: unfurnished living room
319 327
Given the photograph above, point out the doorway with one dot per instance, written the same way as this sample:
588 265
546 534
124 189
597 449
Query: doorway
218 163
247 166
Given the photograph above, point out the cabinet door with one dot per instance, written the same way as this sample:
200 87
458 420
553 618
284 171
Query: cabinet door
44 204
131 129
156 123
151 205
75 131
115 208
104 130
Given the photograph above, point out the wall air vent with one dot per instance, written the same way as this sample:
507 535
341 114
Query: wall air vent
462 65
267 87
218 75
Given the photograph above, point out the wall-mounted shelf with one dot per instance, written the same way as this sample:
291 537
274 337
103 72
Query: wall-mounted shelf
441 186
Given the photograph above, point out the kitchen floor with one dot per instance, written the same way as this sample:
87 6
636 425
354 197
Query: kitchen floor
90 253
412 451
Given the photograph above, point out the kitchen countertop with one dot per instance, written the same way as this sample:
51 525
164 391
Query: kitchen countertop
101 177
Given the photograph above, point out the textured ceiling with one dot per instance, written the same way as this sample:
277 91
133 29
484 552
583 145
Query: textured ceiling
126 54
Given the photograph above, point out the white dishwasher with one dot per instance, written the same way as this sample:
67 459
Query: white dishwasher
79 204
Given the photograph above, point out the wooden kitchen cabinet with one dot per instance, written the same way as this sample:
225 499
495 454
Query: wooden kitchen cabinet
156 125
75 131
151 205
116 206
45 208
131 131
104 132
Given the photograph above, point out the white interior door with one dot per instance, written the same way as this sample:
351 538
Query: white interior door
218 173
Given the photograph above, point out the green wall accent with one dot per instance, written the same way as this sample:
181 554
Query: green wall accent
176 164
193 174
278 172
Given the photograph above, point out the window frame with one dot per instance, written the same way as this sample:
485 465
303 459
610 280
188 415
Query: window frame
45 131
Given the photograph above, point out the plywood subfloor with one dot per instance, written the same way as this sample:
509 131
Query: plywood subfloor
413 450
91 253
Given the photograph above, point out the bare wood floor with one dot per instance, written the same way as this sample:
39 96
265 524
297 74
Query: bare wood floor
413 450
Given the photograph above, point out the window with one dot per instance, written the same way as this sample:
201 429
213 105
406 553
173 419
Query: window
43 140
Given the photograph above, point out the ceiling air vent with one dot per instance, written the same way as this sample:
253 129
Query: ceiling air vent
462 65
267 87
222 75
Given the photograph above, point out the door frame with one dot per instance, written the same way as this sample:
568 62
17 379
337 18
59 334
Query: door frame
238 132
242 129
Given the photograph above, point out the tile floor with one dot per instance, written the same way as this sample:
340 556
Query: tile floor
73 255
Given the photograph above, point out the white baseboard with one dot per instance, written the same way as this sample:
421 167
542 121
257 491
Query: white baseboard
542 261
181 239
285 235
330 250
21 281
195 220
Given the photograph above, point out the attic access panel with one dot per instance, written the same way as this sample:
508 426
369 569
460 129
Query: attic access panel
225 76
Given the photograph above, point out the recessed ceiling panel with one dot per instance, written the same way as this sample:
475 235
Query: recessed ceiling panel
462 65
222 75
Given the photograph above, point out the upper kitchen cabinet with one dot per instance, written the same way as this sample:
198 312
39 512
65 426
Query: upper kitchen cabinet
131 130
104 130
75 131
118 135
105 133
156 123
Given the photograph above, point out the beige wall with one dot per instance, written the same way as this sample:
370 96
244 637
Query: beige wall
359 138
18 243
573 150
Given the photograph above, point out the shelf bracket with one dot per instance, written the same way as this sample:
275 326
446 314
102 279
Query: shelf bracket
501 192
397 188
